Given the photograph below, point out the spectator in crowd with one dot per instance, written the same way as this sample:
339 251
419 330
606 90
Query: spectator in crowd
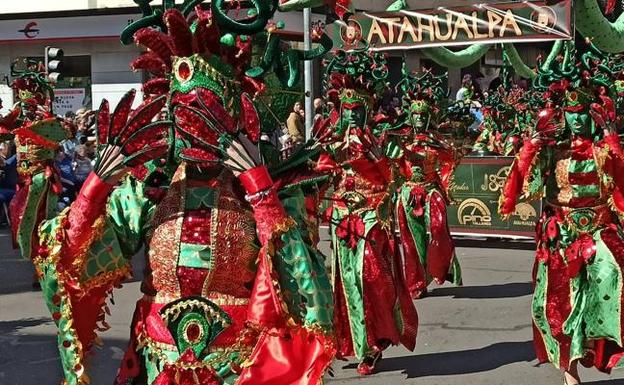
318 109
466 91
8 181
5 150
296 126
68 180
82 166
69 145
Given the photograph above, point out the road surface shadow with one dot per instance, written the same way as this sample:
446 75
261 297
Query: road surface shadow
459 362
8 327
494 243
605 382
507 290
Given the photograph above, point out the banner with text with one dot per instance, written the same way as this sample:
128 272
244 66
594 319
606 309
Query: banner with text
493 23
475 190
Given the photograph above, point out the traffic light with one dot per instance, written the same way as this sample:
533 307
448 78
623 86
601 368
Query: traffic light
53 63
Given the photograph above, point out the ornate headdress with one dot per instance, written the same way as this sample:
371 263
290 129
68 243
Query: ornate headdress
423 93
583 83
200 56
356 77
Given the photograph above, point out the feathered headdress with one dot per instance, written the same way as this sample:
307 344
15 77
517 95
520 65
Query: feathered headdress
200 56
423 92
578 82
358 76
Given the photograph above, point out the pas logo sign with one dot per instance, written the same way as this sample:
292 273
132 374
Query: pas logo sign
474 212
525 211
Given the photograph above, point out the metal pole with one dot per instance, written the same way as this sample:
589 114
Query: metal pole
307 69
45 59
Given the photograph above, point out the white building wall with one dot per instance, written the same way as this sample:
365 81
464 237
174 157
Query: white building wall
110 72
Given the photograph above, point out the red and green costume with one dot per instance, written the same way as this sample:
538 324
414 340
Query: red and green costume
37 135
373 306
232 292
576 160
427 161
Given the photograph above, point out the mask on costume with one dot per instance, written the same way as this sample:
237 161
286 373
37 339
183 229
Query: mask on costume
352 82
419 115
576 113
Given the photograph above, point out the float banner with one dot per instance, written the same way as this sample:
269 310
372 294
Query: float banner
492 23
475 190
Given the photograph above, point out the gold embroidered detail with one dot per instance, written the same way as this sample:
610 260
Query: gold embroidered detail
175 310
600 157
114 276
227 300
232 241
81 254
562 174
164 242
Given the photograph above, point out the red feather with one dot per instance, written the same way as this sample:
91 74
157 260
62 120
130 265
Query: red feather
156 151
150 62
199 155
144 114
193 125
120 116
180 33
103 122
147 137
249 119
212 104
157 42
207 33
609 7
9 120
159 86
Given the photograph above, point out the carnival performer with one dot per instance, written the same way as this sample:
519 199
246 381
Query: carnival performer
507 116
576 158
37 134
231 293
373 309
427 164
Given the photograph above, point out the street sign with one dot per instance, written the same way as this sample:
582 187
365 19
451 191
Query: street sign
475 191
524 21
68 100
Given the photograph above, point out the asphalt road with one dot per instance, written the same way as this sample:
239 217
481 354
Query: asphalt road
478 334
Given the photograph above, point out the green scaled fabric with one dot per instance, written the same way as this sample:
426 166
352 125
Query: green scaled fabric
40 198
306 290
417 225
603 312
350 264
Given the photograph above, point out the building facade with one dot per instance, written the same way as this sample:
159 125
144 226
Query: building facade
97 64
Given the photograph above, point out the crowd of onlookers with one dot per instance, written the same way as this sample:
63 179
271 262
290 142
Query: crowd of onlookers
74 161
74 158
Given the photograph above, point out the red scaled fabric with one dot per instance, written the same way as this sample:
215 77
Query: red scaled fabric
378 173
88 206
517 175
613 166
440 249
415 276
16 210
284 354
